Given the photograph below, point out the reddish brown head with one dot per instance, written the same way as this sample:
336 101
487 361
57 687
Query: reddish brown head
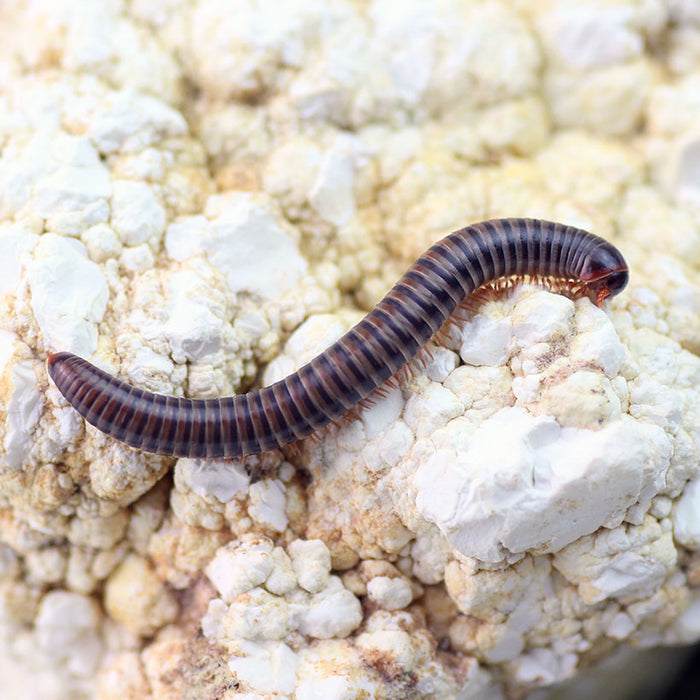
605 273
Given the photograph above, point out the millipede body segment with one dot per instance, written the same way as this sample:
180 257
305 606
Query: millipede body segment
353 367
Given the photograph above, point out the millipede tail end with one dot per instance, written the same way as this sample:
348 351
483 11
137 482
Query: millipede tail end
60 370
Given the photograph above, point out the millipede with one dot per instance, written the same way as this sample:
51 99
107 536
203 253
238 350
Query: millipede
361 361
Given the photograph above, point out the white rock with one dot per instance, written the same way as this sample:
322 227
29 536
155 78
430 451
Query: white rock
596 402
16 243
597 342
628 574
69 424
390 593
336 687
194 324
431 408
101 242
684 166
522 588
23 405
485 341
69 294
390 447
257 616
212 622
394 643
482 390
183 238
544 666
334 612
383 414
7 347
245 242
673 116
267 504
282 579
442 362
661 507
629 562
686 516
525 493
137 259
291 171
54 172
684 10
332 193
67 627
311 561
686 628
368 71
571 95
9 564
316 680
656 400
541 317
137 215
445 38
148 369
242 49
74 223
254 253
130 121
237 568
591 35
80 178
223 480
430 553
268 667
621 626
89 41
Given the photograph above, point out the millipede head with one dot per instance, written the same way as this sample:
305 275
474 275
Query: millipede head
605 273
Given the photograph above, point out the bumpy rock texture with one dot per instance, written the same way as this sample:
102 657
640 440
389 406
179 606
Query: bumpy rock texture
201 195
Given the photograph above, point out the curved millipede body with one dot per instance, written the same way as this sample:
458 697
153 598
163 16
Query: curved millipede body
353 367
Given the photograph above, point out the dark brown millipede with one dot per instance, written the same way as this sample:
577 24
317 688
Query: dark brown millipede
369 354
